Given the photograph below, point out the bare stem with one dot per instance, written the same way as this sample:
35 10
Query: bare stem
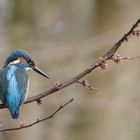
38 120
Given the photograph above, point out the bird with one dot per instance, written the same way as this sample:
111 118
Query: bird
14 81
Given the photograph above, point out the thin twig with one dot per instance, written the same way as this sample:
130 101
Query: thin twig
118 58
98 63
131 58
85 83
38 120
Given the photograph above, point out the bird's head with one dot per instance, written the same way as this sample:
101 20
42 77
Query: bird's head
21 59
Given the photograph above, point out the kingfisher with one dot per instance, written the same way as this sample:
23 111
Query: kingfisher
14 82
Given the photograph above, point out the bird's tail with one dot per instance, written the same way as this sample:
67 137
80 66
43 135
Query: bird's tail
14 112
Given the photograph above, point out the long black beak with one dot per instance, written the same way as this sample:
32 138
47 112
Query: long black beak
40 71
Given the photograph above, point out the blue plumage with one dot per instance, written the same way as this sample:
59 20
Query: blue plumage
17 79
16 54
14 80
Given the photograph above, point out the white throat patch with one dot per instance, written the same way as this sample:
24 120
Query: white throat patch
28 68
15 62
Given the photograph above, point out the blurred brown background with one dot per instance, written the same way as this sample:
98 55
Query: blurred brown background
64 37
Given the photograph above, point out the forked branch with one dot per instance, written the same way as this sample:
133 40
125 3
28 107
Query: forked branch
99 63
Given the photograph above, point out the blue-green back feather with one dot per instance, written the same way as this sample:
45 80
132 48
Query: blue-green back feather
13 85
3 85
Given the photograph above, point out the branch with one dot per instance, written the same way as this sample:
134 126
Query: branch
38 120
99 63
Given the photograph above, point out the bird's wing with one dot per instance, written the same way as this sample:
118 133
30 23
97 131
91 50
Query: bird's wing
14 94
22 80
3 85
13 86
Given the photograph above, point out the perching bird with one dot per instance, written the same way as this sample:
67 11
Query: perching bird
14 81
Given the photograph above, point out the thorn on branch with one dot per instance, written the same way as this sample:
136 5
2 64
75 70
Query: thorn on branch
22 125
136 32
39 101
103 64
57 84
86 84
116 58
126 38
